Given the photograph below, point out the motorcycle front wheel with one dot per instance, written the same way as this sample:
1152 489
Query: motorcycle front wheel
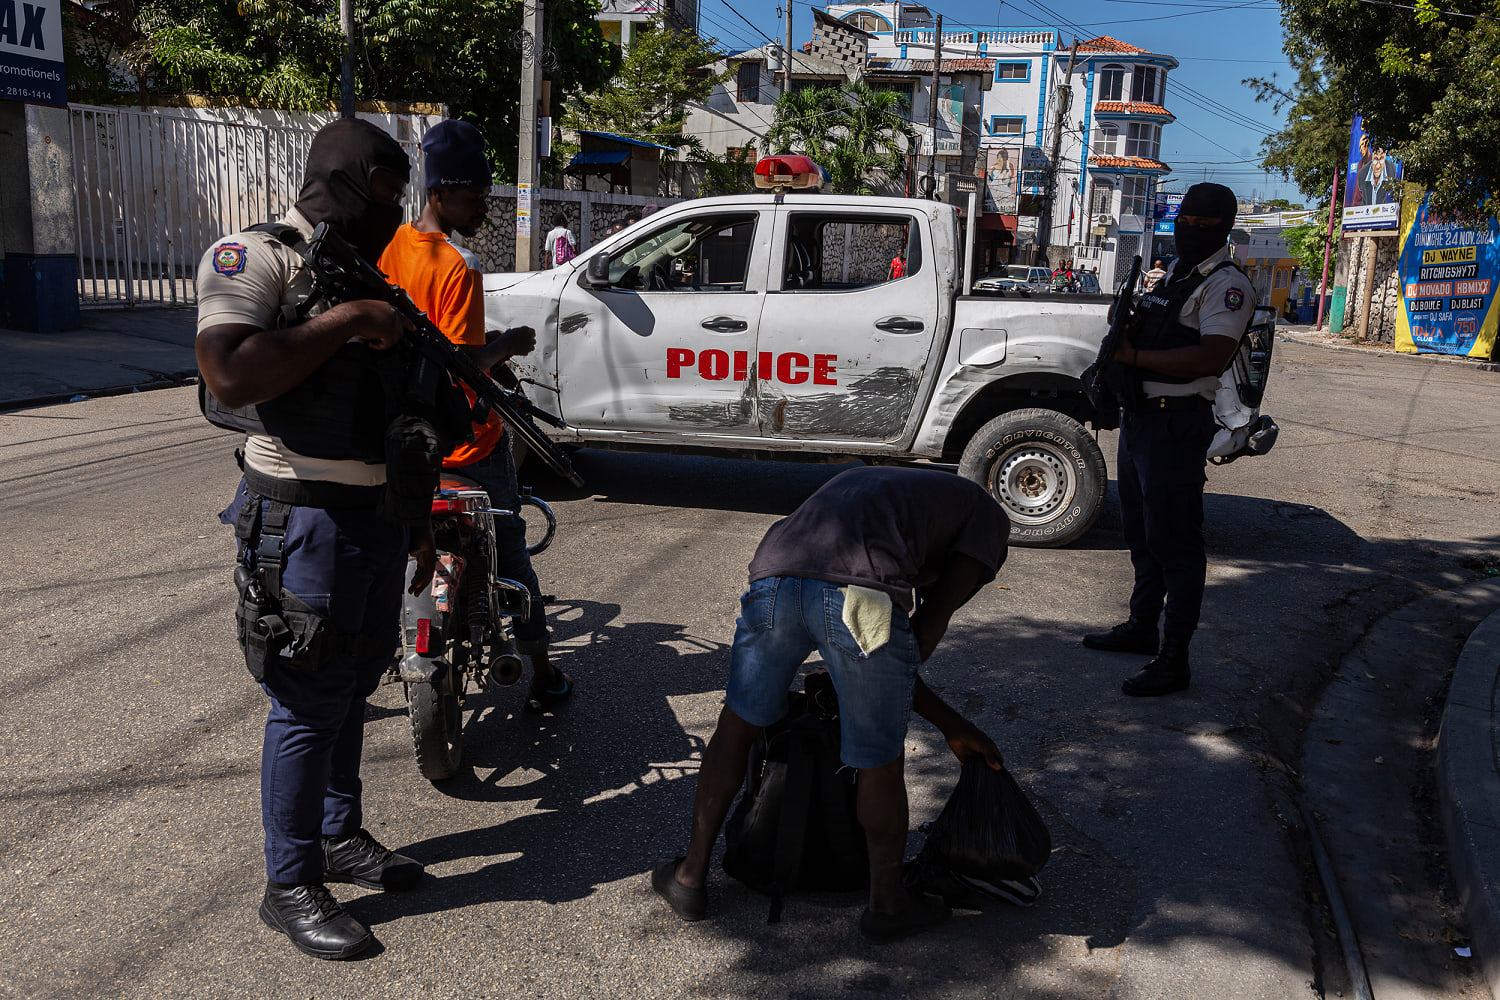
436 725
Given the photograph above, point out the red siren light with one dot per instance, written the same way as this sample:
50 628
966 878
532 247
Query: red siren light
792 173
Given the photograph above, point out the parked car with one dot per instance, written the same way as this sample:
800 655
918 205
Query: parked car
1018 279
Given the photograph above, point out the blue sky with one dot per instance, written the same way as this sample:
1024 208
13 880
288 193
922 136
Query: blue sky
1219 126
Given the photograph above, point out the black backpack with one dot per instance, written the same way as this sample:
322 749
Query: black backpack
796 825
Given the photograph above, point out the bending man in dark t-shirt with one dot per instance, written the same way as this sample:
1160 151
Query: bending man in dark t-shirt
843 575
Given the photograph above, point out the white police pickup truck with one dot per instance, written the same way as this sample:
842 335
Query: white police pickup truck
766 327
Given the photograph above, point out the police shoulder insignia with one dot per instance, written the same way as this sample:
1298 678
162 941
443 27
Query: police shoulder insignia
1234 298
229 258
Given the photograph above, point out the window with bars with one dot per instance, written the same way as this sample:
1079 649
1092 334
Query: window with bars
1104 197
1111 82
747 83
1134 192
901 88
1007 125
1143 139
1013 71
1144 84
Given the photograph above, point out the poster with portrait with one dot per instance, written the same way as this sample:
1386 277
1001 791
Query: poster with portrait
1372 185
1001 179
1448 275
950 124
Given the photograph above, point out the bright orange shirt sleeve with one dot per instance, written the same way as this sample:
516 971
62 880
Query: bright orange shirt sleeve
434 274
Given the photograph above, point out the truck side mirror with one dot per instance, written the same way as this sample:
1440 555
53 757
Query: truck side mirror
598 270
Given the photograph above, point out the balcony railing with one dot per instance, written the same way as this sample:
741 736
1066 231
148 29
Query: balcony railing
975 38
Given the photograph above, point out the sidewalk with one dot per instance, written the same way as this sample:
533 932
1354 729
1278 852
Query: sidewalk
1469 789
1307 335
118 350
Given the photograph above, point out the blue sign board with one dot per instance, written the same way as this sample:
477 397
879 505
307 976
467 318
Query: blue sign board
31 52
1372 184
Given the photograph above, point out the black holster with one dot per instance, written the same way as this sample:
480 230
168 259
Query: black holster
275 627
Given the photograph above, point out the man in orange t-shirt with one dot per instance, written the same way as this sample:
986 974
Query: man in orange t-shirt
446 281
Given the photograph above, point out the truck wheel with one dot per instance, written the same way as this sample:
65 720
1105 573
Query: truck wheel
1045 470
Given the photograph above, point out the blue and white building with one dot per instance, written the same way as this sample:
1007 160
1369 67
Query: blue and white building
1109 150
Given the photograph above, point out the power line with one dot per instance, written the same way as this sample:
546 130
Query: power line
1454 13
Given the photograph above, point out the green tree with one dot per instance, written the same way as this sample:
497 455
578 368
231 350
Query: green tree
648 96
732 173
466 54
1307 243
1319 106
851 130
1428 82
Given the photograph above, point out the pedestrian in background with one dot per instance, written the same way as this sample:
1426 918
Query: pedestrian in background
562 245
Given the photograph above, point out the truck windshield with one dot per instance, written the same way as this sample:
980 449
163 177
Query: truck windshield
1018 272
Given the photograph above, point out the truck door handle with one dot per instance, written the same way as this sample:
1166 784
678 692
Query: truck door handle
724 324
899 324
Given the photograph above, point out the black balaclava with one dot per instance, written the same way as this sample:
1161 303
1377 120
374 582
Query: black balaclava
1195 244
336 183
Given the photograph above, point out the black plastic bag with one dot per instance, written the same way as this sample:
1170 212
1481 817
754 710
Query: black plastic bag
988 832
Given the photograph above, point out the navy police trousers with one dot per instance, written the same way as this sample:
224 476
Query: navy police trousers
348 565
1160 473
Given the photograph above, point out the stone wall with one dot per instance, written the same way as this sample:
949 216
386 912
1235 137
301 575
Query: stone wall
590 215
1385 295
859 254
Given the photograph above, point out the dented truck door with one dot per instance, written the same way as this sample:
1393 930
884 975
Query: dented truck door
857 298
666 345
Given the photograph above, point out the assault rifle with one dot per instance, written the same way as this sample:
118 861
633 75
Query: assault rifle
342 275
1109 385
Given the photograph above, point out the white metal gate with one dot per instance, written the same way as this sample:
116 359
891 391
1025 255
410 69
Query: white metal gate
154 190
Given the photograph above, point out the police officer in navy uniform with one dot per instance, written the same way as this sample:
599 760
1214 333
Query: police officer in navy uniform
1184 336
321 569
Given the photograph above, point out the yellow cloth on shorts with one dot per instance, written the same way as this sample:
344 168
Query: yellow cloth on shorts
867 616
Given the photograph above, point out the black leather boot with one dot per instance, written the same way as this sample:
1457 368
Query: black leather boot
314 920
365 861
1132 636
1163 675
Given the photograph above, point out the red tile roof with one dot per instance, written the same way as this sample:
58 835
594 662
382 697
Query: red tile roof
925 66
1133 108
1104 43
1129 162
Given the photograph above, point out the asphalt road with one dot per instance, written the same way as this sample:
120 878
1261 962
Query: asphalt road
130 836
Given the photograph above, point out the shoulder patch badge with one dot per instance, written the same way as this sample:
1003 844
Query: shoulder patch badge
229 258
1233 299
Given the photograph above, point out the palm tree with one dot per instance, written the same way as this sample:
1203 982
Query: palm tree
852 130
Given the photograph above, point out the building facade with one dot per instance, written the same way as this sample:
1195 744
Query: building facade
1101 107
620 19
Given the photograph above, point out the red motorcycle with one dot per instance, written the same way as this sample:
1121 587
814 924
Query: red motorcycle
457 632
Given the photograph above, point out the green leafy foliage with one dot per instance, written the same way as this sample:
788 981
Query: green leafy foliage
1307 243
733 173
287 53
851 130
1428 82
1319 106
648 96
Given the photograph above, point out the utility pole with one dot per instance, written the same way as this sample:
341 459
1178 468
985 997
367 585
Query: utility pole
1064 102
346 73
929 182
1333 204
529 168
786 56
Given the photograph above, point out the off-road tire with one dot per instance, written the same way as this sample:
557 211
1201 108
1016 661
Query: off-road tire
436 729
1046 471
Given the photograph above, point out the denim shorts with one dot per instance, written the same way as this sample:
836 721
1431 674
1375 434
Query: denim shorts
782 620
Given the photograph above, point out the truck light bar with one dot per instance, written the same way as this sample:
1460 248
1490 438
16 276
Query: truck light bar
795 173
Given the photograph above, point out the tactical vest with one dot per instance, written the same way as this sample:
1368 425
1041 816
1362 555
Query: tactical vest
1158 324
340 411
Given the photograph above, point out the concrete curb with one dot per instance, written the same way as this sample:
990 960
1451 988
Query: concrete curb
1469 790
1326 341
174 380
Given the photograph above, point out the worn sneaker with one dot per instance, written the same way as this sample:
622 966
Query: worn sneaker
545 697
314 920
363 860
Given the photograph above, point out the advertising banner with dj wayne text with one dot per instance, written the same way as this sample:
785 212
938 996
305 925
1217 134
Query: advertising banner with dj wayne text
1448 276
